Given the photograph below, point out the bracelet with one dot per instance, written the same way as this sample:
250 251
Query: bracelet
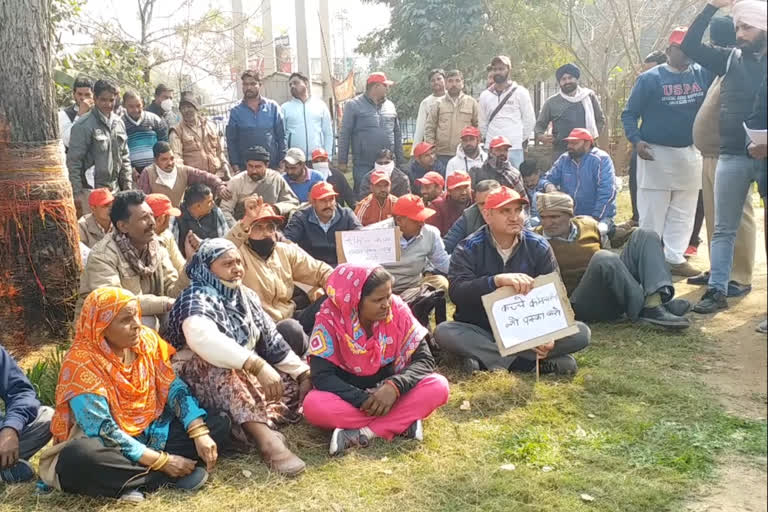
161 461
200 432
397 390
197 428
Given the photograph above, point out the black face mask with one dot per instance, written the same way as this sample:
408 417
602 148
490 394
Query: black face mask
263 247
500 79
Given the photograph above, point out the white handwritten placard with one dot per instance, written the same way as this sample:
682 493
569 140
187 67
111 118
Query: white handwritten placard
522 322
368 246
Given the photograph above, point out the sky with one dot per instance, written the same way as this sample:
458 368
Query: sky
363 18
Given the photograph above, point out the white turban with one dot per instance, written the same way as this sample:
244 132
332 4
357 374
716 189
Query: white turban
750 12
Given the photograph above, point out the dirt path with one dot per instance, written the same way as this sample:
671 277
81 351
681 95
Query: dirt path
738 373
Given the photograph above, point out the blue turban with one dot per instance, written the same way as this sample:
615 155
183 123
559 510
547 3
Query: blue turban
568 69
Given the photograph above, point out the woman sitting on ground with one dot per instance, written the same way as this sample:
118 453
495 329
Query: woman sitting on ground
233 357
372 371
124 423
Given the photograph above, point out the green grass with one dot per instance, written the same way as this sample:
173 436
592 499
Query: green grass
637 429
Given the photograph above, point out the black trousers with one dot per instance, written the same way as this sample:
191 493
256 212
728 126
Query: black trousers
87 466
697 222
633 185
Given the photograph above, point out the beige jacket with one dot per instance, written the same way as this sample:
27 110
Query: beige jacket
273 279
90 231
199 147
273 189
169 242
706 126
446 119
108 267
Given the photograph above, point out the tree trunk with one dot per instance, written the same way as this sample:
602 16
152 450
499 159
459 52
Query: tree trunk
39 244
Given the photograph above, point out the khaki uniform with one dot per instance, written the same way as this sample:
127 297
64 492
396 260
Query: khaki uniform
199 147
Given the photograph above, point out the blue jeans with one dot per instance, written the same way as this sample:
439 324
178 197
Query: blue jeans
516 157
733 178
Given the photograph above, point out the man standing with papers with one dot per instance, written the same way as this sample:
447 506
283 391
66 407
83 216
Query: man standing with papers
500 254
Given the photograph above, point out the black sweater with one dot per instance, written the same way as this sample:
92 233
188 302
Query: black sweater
326 376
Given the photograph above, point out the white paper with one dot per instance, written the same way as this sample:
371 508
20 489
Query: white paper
520 318
758 137
369 246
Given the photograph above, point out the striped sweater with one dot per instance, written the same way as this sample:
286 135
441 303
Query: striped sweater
142 136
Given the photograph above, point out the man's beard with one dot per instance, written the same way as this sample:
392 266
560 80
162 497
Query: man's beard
756 46
576 154
256 177
454 92
569 88
469 150
251 94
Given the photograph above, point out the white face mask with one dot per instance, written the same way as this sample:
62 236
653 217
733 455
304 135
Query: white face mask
322 168
388 168
167 105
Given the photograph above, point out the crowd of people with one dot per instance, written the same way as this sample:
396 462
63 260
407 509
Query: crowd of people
213 307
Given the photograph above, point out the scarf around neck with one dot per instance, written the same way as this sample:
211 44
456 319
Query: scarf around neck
167 179
584 96
339 337
144 263
136 393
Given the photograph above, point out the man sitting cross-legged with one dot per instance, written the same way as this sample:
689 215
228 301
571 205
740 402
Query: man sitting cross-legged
472 218
500 254
604 285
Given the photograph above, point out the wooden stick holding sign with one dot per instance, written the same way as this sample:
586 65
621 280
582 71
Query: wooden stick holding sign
368 246
523 322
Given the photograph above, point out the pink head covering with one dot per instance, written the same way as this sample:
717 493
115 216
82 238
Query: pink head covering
751 12
339 337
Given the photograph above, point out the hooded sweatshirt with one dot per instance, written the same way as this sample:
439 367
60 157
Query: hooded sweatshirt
462 162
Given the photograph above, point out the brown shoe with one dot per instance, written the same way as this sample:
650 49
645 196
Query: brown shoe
684 269
280 459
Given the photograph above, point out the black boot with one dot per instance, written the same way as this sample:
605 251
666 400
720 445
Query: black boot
713 300
660 316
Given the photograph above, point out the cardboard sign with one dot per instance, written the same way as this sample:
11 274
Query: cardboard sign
368 246
522 322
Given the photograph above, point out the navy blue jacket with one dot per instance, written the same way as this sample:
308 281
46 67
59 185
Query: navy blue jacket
17 393
304 230
247 128
475 262
366 129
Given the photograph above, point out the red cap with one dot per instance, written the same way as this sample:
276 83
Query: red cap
470 131
412 206
500 141
677 35
377 176
162 205
267 212
100 197
580 134
422 148
319 153
432 178
502 197
322 190
379 78
458 179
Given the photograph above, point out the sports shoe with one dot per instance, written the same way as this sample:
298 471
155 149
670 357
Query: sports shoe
737 289
415 431
341 439
660 316
560 365
20 472
700 279
134 497
469 365
193 481
713 300
691 251
763 327
678 307
684 269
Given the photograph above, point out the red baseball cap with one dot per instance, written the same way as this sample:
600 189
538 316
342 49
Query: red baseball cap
458 179
677 35
322 190
412 206
580 134
502 197
268 212
500 141
431 178
379 78
319 153
470 131
100 197
161 205
377 176
421 148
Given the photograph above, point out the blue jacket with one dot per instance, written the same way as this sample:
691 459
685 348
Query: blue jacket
17 393
591 183
307 125
304 229
247 128
475 262
366 129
